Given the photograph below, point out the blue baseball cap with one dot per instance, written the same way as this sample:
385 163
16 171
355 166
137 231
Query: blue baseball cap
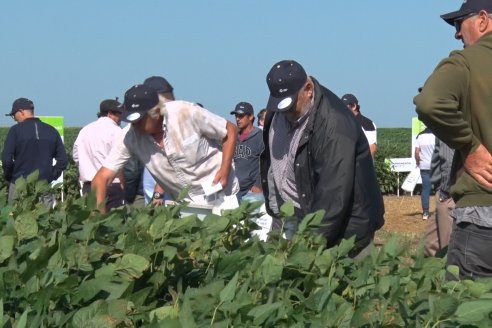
284 80
139 99
468 7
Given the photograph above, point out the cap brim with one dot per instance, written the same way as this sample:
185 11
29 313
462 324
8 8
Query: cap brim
281 104
238 112
451 17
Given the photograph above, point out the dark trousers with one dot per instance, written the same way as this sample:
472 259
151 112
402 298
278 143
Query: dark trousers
469 249
48 199
115 195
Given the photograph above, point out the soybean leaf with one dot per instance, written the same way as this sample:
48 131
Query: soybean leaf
312 220
262 312
227 294
22 320
443 306
287 209
474 311
6 247
164 312
131 266
26 226
271 269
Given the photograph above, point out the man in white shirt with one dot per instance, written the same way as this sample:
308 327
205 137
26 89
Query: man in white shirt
426 141
368 126
182 144
92 146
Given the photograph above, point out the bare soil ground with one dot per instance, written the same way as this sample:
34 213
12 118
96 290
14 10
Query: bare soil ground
403 216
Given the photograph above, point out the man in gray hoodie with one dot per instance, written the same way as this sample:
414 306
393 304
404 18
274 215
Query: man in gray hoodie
249 146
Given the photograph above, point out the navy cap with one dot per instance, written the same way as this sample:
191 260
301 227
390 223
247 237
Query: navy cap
159 84
139 99
110 105
21 103
349 99
468 7
243 108
284 80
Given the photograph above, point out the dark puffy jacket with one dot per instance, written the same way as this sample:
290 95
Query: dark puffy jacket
334 171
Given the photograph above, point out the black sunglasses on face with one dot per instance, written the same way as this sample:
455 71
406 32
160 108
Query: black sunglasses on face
13 114
459 21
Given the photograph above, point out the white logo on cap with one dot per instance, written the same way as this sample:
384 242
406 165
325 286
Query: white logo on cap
135 105
285 103
283 90
133 117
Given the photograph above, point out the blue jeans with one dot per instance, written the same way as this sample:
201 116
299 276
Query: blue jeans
426 190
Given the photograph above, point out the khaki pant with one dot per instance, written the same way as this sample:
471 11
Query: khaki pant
439 227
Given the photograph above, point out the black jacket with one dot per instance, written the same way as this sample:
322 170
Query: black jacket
334 171
32 145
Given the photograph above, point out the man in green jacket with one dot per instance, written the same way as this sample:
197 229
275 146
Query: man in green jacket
456 104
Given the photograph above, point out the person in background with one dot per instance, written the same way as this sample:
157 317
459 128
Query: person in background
154 193
423 155
368 126
261 118
439 228
31 145
92 146
249 146
182 145
316 155
456 104
134 188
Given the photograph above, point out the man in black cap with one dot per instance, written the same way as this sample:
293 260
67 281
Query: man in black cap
182 145
154 193
249 146
456 104
316 156
92 146
31 145
368 126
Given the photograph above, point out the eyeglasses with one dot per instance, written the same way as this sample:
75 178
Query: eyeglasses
459 21
13 114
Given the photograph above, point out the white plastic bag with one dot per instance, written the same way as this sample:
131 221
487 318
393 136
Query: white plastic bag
411 180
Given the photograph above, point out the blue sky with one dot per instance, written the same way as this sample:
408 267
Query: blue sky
67 56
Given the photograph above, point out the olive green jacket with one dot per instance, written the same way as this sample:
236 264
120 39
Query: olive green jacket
456 104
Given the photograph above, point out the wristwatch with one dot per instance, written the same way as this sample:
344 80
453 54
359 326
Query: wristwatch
156 195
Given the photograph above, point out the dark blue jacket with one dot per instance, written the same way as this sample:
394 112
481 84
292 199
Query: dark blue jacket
32 145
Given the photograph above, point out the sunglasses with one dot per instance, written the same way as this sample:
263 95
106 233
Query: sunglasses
459 21
13 114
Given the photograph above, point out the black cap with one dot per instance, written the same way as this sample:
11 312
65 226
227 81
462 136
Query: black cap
110 105
159 84
139 99
21 103
468 7
243 108
284 80
349 99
